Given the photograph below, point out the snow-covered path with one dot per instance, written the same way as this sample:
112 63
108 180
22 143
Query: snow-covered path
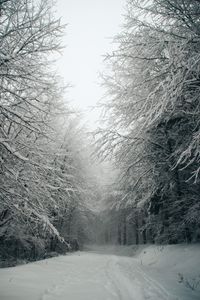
81 276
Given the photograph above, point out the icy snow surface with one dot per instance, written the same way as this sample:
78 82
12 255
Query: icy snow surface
108 273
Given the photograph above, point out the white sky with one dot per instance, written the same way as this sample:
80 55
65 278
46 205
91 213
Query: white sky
91 25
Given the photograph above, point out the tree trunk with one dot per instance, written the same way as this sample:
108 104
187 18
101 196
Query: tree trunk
136 230
119 234
124 232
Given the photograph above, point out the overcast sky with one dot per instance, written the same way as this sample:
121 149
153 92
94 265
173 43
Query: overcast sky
91 24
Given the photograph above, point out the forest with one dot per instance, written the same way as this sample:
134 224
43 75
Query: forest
133 180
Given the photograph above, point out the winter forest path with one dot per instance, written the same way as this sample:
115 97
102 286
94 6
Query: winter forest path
90 275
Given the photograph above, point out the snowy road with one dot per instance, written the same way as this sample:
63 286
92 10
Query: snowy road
81 276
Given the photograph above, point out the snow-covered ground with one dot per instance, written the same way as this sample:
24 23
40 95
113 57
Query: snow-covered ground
108 273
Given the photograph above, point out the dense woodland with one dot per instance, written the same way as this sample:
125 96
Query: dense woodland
45 169
153 112
48 185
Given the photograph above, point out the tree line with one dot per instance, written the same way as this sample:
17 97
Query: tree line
43 161
153 124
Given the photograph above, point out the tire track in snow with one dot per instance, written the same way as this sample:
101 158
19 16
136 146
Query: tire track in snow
109 275
151 287
125 288
157 286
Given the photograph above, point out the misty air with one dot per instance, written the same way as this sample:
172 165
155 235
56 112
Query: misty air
100 150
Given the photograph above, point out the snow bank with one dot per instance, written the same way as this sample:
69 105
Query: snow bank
176 267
